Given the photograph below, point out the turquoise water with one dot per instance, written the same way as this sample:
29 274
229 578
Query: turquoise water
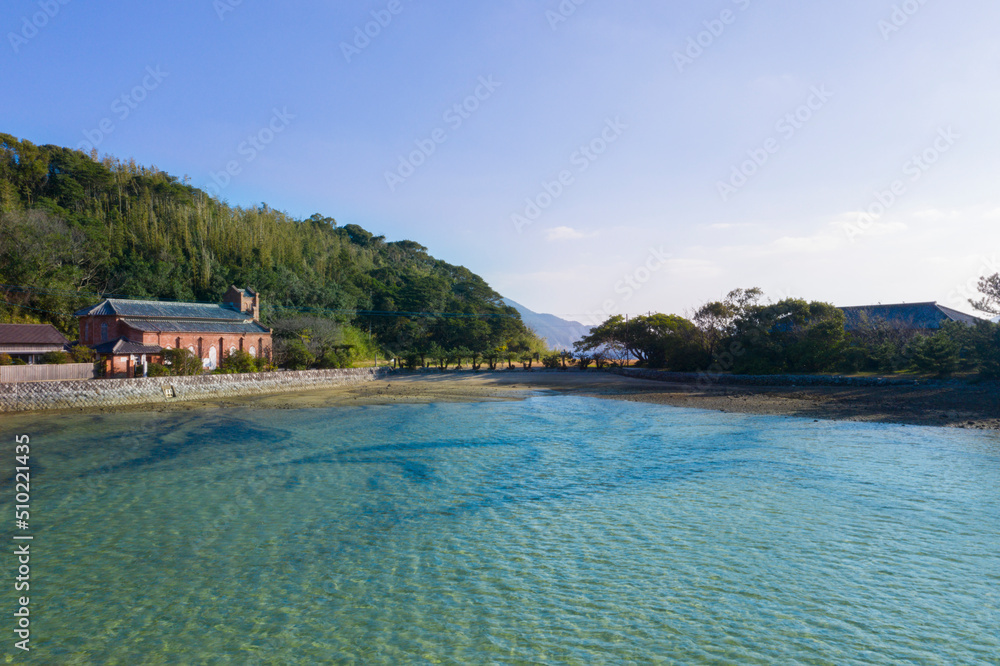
554 530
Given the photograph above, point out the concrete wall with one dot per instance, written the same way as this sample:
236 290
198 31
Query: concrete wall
153 390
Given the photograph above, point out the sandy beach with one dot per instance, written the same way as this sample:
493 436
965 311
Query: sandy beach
956 406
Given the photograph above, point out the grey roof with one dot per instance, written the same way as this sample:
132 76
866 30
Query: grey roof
120 346
904 316
176 317
246 326
31 334
162 309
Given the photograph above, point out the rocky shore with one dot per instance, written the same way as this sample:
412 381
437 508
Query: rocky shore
954 404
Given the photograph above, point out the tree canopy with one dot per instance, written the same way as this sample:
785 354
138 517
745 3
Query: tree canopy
76 227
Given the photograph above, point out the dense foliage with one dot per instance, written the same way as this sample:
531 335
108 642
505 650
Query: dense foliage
74 227
742 335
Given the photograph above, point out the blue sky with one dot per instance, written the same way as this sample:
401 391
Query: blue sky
603 158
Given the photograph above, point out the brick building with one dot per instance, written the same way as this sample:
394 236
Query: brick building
127 333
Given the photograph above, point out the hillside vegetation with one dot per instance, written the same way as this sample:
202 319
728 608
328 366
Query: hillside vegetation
74 228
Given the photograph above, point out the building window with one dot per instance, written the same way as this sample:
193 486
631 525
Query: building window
104 331
253 352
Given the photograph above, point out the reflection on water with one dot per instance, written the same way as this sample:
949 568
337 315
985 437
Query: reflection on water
559 530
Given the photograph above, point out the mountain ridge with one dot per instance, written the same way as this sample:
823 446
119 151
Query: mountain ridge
559 333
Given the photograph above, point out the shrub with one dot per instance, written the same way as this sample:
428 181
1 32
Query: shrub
182 362
157 370
238 362
552 361
5 359
334 359
82 354
297 357
56 358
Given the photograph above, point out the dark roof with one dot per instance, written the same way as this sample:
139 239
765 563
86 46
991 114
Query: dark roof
904 316
199 326
121 346
31 334
163 309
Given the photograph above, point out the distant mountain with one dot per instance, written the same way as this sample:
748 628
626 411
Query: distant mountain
559 333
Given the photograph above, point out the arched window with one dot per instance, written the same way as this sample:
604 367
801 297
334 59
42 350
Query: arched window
212 358
104 331
253 352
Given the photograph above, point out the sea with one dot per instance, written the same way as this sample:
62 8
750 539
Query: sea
553 530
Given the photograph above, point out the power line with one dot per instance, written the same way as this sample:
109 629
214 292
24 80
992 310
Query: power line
26 307
23 289
362 313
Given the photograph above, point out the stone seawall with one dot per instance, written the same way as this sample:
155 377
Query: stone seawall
707 380
24 397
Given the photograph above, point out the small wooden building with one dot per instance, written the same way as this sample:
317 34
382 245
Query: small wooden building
29 341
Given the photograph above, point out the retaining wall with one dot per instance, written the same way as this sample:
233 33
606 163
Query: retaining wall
706 380
24 397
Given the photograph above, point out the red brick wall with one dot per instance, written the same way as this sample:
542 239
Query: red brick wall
90 330
119 366
202 343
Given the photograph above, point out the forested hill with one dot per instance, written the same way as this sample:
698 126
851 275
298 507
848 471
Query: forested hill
73 226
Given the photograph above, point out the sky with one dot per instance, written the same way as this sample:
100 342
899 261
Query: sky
585 157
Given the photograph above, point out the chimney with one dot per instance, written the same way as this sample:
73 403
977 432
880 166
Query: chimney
246 301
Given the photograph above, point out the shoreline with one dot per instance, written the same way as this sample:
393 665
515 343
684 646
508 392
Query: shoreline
952 405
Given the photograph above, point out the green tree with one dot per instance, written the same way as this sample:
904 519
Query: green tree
789 336
182 362
295 355
238 362
82 354
74 227
990 288
937 354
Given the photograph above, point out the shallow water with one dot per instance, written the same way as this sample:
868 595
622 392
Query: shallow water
554 530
